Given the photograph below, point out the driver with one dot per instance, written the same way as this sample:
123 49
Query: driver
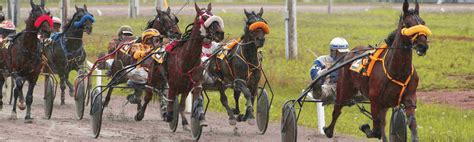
138 76
325 89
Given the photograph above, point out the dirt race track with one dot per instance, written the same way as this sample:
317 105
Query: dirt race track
119 125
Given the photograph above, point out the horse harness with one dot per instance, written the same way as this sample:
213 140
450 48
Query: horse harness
239 54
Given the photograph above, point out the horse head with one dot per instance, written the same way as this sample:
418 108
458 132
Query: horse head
256 27
413 29
39 19
166 23
82 19
211 26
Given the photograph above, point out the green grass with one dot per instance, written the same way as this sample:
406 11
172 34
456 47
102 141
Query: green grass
447 66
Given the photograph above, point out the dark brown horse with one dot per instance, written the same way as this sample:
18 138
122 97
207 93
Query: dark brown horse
167 24
24 60
393 81
241 68
184 67
67 51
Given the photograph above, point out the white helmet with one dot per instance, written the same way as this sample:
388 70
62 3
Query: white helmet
340 44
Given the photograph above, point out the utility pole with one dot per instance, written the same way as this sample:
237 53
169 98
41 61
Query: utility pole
291 34
14 11
133 8
9 10
329 6
64 10
158 5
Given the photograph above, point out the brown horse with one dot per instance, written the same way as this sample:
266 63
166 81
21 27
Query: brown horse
241 67
184 67
393 81
24 60
167 24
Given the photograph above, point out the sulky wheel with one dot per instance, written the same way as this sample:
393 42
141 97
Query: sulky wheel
196 128
289 128
398 125
96 113
80 98
174 123
263 110
48 96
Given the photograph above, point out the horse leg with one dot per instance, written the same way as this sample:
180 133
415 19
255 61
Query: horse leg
2 81
141 112
236 99
376 116
223 97
240 84
70 85
29 100
329 131
199 105
62 85
383 114
19 93
182 105
172 93
410 106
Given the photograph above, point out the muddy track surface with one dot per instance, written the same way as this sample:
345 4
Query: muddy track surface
119 125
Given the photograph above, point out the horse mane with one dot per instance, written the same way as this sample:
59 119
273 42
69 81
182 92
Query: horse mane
69 22
187 32
391 38
150 23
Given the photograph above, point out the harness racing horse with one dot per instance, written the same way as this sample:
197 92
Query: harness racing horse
164 22
167 25
393 80
67 52
241 67
183 64
23 57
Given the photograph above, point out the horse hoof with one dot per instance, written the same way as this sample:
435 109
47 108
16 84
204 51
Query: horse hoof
236 111
163 116
366 129
203 123
168 116
240 118
28 119
21 105
186 128
251 121
328 133
139 116
232 122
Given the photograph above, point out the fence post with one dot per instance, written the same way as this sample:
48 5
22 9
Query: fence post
321 121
